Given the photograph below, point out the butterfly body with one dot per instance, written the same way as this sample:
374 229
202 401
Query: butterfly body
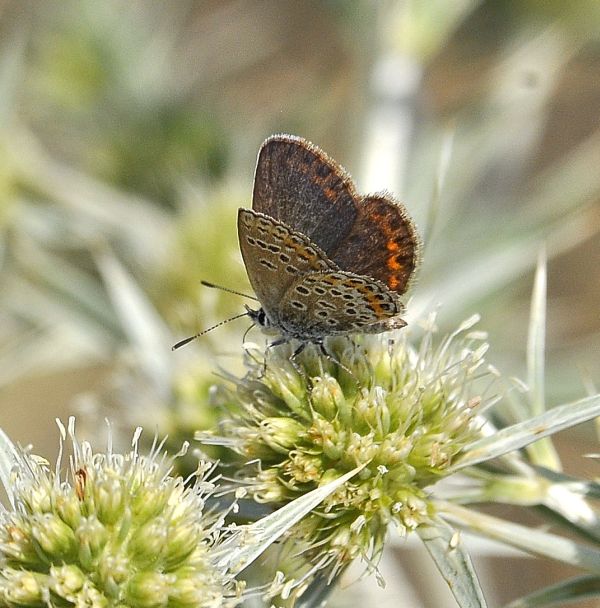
322 260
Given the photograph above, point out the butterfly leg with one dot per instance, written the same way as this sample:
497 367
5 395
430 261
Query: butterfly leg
297 367
277 342
298 350
331 358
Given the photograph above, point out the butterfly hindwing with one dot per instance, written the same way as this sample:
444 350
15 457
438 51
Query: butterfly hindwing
383 243
337 302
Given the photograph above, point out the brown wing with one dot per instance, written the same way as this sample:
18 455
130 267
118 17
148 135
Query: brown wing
275 255
297 183
329 303
383 243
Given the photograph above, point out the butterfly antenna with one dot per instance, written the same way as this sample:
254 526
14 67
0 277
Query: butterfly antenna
188 340
237 293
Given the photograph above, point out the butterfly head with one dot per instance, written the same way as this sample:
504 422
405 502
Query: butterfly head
260 318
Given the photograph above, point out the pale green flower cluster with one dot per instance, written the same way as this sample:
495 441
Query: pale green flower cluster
403 412
119 532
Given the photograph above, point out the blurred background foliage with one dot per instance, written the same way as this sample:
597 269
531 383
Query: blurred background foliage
128 136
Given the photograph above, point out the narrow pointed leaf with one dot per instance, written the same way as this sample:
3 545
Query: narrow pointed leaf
583 487
530 540
541 452
573 510
572 590
146 330
454 563
521 434
252 540
536 341
9 457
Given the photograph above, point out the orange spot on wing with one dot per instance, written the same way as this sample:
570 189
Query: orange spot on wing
393 264
373 301
393 282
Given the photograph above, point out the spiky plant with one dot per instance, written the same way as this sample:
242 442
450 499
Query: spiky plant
411 413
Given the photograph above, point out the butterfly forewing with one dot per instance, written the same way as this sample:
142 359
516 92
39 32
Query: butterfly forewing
298 184
274 256
329 303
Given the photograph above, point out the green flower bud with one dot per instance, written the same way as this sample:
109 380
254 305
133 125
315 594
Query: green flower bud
109 498
181 543
91 596
22 588
53 536
37 499
288 386
113 569
66 581
91 537
149 503
280 434
18 546
148 542
68 507
328 398
149 589
329 437
269 489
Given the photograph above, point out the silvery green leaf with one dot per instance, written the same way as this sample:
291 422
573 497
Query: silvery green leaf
574 484
453 562
521 434
66 283
530 540
536 340
573 509
541 452
571 590
251 540
562 499
143 325
103 209
9 457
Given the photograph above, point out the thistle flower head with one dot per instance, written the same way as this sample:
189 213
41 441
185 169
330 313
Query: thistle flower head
120 531
403 411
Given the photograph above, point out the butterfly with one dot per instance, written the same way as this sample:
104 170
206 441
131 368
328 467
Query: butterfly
322 259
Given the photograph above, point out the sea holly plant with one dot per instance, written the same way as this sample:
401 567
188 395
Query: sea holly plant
120 530
412 413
